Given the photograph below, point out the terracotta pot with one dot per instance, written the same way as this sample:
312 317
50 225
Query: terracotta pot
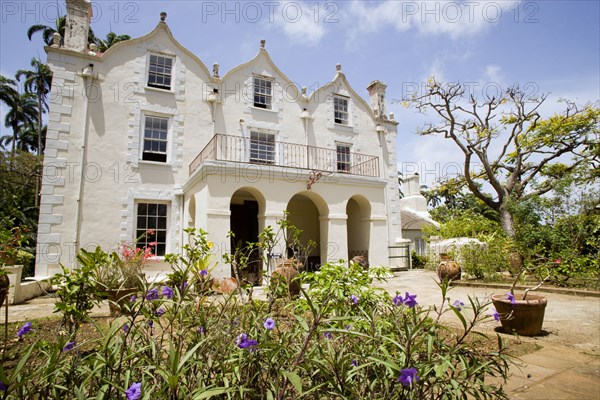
287 275
224 285
525 317
449 270
117 298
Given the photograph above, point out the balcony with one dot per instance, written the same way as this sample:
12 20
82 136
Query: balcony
262 149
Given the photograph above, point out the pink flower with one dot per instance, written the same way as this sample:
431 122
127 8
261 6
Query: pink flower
150 232
557 261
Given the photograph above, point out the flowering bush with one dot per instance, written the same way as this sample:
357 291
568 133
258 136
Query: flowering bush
342 338
117 270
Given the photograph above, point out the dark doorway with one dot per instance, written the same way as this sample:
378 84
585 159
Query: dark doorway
244 225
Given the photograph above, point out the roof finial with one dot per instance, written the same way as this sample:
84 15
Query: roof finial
338 67
262 43
163 16
216 70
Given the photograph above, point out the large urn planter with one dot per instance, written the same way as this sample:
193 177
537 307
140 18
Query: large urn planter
523 317
117 298
286 276
448 270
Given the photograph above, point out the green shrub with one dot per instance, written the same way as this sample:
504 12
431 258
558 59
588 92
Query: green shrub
342 339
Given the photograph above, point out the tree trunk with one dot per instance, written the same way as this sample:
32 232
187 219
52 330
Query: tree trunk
508 226
506 219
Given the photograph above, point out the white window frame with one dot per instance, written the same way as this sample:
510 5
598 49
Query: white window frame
170 74
344 164
169 120
341 116
263 155
268 103
140 231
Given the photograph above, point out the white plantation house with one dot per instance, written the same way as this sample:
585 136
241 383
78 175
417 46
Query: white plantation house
145 136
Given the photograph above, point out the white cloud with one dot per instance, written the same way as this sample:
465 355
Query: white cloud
493 73
454 19
299 22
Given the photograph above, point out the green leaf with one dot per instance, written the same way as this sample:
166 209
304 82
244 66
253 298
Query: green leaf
295 380
207 394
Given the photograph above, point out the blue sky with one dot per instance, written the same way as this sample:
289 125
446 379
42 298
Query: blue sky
546 46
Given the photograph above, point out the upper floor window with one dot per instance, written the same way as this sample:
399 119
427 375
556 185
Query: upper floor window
160 71
343 157
156 131
151 227
262 148
263 92
340 110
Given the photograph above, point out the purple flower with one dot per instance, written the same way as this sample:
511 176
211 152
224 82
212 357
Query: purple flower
25 329
354 299
201 330
510 297
134 392
2 387
204 272
152 294
409 300
408 376
244 343
354 363
398 300
132 298
495 315
458 305
125 327
160 311
68 346
167 292
269 324
150 323
328 335
183 286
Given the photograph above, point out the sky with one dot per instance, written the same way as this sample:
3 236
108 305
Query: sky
547 47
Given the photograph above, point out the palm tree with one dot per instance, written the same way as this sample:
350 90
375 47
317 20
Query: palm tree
111 39
38 81
22 111
7 89
48 31
26 139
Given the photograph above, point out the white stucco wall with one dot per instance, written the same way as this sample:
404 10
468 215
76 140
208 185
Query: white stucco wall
102 131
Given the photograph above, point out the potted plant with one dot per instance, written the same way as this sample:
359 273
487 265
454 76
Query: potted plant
523 313
117 276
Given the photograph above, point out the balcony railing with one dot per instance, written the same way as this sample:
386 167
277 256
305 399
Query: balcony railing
290 155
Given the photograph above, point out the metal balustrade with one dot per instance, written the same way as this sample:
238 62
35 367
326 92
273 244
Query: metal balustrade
289 155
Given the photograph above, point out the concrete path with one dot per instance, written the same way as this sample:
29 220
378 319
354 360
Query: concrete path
567 366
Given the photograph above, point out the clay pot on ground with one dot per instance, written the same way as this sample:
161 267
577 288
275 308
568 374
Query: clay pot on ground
285 276
524 317
362 261
448 270
117 298
224 285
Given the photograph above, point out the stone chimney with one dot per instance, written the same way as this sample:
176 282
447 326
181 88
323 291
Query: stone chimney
79 14
377 94
413 199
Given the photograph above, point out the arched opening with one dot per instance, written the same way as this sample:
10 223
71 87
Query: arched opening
304 214
358 227
245 207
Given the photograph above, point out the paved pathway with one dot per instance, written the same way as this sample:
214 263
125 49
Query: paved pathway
567 366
